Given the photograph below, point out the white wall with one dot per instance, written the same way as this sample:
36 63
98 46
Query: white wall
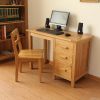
88 13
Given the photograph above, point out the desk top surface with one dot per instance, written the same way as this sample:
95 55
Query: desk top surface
74 36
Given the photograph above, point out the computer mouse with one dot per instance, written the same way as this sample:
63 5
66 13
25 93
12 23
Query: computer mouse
67 34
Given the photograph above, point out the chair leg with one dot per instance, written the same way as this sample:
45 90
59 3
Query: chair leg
31 65
16 71
42 65
20 66
40 69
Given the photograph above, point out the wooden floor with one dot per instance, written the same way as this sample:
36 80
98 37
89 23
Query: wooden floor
29 87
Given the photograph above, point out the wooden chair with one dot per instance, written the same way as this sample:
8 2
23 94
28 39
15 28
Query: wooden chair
25 55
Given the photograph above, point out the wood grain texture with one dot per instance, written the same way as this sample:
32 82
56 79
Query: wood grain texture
29 87
24 55
71 59
73 38
70 54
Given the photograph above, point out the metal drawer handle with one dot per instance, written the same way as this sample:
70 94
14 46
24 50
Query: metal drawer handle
65 70
65 57
66 48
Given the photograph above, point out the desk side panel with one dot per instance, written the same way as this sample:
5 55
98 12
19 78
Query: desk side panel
81 59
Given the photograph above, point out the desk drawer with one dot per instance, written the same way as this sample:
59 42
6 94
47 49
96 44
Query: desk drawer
64 44
59 64
64 48
63 72
63 52
63 60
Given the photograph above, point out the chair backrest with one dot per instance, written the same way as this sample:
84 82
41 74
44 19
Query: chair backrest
17 46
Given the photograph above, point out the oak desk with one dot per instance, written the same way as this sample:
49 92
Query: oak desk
70 56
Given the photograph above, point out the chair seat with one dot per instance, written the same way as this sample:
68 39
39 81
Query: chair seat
30 54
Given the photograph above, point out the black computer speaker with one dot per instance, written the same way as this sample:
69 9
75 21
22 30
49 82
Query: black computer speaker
80 28
47 23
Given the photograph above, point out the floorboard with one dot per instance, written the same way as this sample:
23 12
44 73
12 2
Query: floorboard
29 88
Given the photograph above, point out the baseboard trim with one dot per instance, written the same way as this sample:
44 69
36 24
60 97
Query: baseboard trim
93 77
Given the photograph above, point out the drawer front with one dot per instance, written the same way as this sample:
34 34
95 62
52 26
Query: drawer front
63 72
62 51
64 60
64 44
62 64
63 48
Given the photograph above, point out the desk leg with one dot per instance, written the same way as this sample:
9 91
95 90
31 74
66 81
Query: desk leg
73 77
30 46
73 84
46 51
